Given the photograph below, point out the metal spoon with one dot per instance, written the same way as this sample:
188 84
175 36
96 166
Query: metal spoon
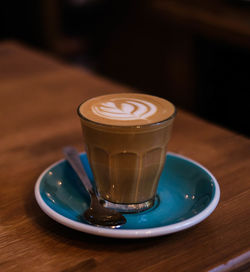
96 214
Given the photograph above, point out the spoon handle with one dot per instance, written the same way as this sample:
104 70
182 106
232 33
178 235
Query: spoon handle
73 158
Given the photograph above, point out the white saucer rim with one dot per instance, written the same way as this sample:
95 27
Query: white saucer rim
129 233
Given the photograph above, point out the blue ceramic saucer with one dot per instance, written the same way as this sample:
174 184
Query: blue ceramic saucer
187 194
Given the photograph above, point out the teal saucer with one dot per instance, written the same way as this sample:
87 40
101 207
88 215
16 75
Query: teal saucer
187 194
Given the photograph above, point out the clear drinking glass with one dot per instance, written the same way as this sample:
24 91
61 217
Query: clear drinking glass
126 161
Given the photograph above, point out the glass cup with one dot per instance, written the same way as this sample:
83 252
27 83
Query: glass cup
126 161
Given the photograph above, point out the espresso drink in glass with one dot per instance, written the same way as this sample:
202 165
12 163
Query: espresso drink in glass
126 137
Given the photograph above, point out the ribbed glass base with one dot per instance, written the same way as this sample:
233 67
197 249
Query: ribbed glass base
128 208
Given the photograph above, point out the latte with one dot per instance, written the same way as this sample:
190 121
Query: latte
126 138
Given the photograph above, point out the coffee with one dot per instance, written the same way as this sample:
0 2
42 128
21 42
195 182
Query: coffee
126 138
127 109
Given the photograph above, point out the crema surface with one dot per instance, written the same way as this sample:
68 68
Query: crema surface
127 109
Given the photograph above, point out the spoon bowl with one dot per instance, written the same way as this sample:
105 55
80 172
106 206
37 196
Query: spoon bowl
101 216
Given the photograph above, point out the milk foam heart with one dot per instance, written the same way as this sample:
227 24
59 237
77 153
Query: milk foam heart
125 109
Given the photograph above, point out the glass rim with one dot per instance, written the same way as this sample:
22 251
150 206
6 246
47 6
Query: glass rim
172 116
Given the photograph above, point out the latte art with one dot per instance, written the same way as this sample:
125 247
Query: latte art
125 109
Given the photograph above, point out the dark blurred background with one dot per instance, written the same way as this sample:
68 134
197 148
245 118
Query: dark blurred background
194 53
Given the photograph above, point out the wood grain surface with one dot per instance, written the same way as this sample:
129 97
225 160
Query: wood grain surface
38 100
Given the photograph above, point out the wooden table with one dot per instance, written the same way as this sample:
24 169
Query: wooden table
38 100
